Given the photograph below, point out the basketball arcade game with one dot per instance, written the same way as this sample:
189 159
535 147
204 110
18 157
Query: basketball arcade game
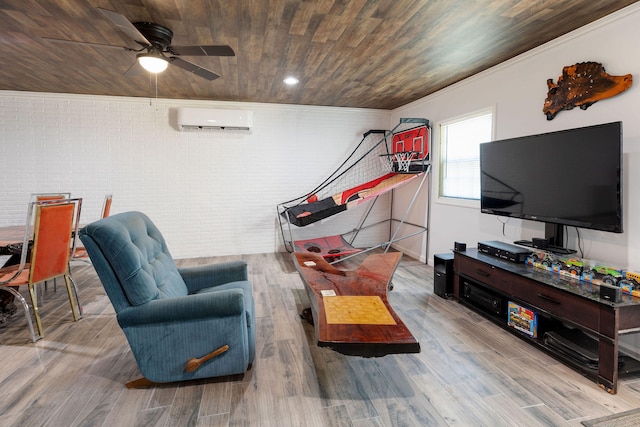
380 163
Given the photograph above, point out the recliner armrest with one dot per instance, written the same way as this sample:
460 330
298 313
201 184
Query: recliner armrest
208 305
210 275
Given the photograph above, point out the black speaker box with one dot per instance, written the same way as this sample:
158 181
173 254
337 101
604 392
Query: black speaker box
611 293
443 275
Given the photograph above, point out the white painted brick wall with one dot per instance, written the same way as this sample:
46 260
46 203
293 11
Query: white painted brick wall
210 193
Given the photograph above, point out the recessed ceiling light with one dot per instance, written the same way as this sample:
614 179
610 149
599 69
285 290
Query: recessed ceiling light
291 81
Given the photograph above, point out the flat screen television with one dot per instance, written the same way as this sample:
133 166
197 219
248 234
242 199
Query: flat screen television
566 178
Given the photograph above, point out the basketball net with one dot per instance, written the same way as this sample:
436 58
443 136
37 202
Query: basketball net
403 159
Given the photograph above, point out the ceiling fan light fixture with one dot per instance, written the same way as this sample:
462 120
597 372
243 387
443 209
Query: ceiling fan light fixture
153 63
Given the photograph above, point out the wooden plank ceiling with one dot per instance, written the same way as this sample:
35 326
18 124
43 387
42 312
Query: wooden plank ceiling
348 53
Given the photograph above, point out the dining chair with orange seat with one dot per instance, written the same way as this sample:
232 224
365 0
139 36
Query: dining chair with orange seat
79 253
43 197
49 257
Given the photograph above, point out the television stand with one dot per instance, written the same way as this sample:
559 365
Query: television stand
486 284
555 249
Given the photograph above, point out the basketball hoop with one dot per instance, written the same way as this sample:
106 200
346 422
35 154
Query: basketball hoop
403 159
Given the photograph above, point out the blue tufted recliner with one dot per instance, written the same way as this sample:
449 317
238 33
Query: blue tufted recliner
168 314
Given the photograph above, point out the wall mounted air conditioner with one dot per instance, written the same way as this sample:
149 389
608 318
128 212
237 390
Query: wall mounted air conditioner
198 119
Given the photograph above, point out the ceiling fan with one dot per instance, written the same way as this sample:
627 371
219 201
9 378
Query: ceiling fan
156 51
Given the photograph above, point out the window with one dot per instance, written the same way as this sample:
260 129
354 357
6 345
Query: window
460 154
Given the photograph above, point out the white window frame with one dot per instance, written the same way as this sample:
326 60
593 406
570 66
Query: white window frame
459 201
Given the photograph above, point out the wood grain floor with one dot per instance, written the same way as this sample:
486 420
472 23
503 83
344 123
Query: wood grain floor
469 373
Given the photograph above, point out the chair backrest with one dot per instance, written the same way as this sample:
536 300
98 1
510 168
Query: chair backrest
30 226
53 229
132 260
42 197
49 198
106 207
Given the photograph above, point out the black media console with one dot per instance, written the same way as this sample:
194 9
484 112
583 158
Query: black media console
574 324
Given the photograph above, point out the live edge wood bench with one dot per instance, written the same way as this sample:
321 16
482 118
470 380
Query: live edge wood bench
351 313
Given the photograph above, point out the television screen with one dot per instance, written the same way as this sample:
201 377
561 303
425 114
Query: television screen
571 177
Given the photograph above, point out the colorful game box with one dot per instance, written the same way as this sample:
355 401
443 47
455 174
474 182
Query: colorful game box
522 319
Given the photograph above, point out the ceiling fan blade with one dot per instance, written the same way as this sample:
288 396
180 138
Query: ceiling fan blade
134 70
193 68
126 26
85 43
222 50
